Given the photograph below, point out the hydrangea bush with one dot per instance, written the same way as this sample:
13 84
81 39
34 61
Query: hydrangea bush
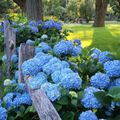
81 84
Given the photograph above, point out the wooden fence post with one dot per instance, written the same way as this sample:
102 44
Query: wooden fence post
25 52
44 107
10 44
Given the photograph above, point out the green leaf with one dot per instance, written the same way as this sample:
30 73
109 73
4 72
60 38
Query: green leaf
103 97
100 95
114 92
11 118
58 107
30 109
63 100
80 94
68 116
74 102
22 109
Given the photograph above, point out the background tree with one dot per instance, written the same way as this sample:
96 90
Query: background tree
87 9
6 6
32 8
100 12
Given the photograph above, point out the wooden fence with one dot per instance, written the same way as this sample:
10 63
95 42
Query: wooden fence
44 107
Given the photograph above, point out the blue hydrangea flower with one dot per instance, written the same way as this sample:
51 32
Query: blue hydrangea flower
45 47
71 81
37 50
89 100
77 41
34 29
40 22
14 58
23 99
58 75
95 53
61 48
88 115
51 24
104 57
4 58
37 81
52 91
31 67
112 68
100 80
66 48
30 42
54 65
76 51
8 100
32 23
57 25
3 113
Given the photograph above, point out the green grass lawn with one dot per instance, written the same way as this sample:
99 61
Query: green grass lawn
104 38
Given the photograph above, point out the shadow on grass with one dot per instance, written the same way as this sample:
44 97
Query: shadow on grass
105 39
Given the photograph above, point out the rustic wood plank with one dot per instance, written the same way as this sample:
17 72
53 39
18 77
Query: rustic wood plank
25 52
44 107
10 45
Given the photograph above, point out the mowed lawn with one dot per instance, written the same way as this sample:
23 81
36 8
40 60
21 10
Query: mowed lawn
104 38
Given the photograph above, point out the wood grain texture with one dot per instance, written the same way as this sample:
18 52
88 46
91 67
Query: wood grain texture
44 107
10 45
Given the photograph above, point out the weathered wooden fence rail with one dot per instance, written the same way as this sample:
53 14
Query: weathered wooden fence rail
10 44
44 107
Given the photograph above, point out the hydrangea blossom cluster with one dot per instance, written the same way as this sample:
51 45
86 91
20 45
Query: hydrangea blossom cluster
3 113
67 78
52 91
16 98
51 24
67 48
104 57
88 115
33 66
112 68
89 100
100 80
53 65
14 58
37 81
45 47
95 53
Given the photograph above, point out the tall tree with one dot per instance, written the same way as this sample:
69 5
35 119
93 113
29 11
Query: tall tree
87 9
101 8
32 8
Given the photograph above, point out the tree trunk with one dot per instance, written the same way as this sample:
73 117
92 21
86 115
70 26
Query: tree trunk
34 9
21 4
101 8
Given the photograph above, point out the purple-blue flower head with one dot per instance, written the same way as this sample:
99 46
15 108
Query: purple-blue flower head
88 115
112 68
100 80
